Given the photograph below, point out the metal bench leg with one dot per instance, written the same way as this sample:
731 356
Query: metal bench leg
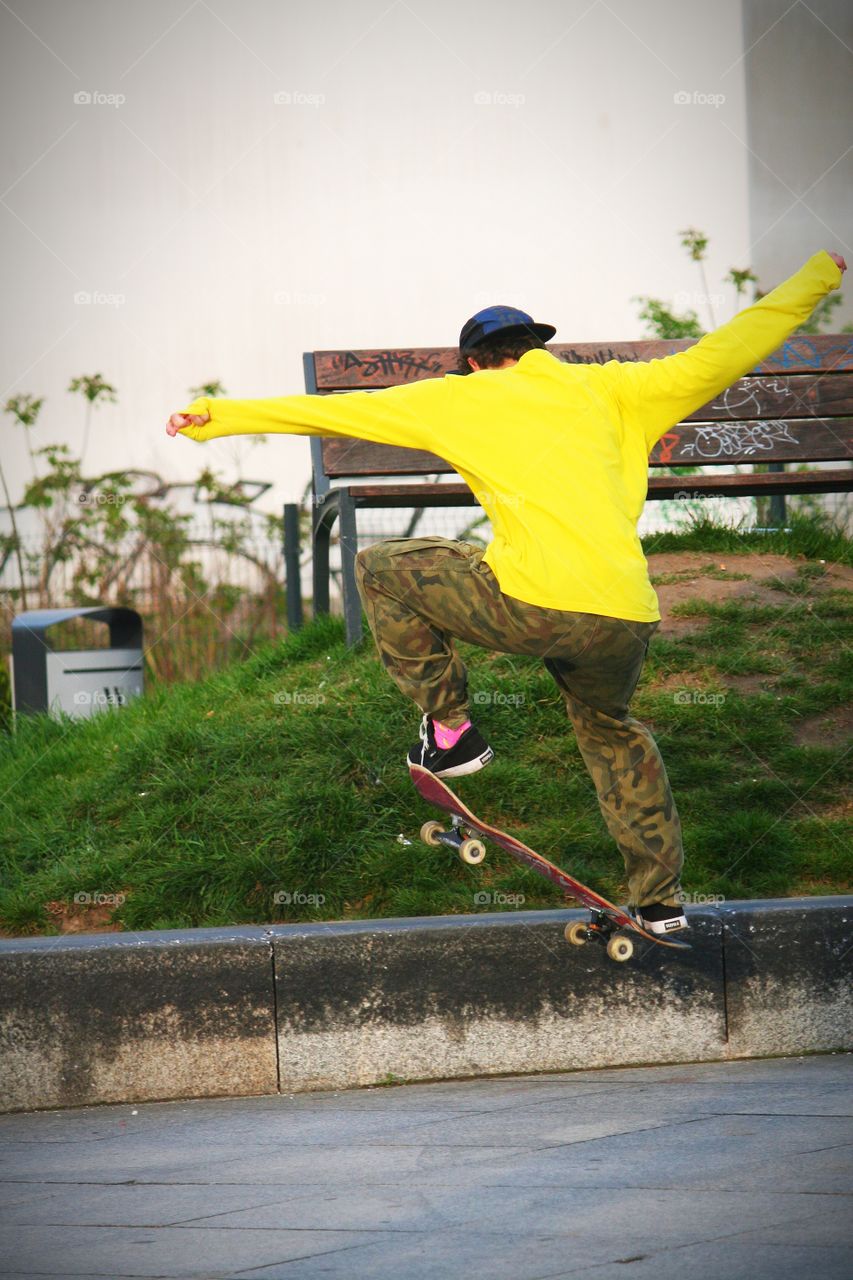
324 514
292 575
349 549
777 510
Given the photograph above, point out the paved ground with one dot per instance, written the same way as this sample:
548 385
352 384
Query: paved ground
741 1169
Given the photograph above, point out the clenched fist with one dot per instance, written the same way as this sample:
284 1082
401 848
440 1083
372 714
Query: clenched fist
180 420
838 260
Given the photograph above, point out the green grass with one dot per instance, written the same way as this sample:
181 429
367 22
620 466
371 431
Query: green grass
210 803
812 535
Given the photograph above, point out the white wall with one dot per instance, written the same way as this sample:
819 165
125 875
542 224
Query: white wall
799 76
389 211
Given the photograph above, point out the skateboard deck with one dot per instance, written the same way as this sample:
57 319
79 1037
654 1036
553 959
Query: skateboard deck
606 916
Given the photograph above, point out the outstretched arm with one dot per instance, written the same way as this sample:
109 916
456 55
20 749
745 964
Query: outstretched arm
656 394
415 415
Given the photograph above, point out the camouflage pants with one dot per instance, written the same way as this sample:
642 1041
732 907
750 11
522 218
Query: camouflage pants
420 593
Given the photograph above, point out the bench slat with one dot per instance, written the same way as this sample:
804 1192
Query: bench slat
362 458
390 366
711 444
737 486
688 444
804 395
412 495
458 495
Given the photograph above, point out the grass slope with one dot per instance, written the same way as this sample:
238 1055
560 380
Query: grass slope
276 790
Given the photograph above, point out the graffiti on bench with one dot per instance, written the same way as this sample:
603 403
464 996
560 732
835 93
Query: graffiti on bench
408 364
803 353
745 395
737 439
602 355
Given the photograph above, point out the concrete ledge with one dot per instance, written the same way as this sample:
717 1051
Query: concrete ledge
789 975
494 993
218 1012
129 1017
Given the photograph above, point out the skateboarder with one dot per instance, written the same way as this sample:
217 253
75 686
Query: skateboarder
557 455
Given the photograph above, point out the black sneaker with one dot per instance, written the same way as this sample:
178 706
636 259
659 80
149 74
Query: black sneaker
469 754
656 917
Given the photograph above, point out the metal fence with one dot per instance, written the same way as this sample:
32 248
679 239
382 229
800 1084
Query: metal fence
212 606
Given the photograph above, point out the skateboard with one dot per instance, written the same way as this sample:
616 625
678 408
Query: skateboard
605 917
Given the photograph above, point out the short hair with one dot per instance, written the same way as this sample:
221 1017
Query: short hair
491 353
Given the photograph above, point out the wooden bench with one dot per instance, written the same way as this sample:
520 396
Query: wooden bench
795 407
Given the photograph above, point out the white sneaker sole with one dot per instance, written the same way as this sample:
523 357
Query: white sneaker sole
663 926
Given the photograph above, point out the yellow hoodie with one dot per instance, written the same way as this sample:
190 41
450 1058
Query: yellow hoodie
557 454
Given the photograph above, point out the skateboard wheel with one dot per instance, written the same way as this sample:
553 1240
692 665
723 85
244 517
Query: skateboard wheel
620 948
575 933
430 831
472 851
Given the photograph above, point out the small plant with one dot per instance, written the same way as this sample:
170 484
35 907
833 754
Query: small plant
112 537
664 322
95 391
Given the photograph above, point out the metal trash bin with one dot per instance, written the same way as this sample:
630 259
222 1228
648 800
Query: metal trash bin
79 682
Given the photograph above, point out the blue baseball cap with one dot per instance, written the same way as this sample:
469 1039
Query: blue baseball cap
507 321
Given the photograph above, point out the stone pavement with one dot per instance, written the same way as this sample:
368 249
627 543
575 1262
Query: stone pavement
739 1169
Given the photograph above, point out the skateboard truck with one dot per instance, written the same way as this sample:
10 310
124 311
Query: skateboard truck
600 928
470 849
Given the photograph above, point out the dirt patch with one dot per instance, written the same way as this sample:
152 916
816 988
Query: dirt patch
67 917
750 577
675 628
686 680
72 918
831 728
836 809
749 684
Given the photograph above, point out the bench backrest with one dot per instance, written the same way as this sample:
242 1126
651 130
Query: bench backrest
796 406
